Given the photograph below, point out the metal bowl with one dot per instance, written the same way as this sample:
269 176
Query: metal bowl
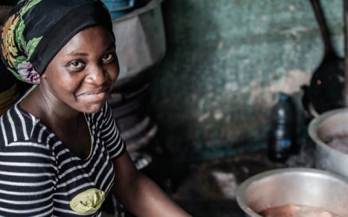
141 44
323 128
294 186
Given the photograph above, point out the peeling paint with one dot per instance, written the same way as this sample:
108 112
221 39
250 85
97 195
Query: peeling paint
292 8
245 89
220 45
290 84
194 97
228 119
231 87
204 117
294 30
201 104
264 18
230 52
218 115
210 87
246 61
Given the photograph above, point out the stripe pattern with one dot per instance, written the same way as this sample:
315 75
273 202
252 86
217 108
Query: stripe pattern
39 176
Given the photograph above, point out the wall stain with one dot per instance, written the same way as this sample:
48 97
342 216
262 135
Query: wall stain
226 61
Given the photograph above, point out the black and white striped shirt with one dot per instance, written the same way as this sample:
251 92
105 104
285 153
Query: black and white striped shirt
39 176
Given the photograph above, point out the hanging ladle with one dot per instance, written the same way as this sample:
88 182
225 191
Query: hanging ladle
326 89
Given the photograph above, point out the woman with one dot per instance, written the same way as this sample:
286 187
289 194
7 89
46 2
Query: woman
60 151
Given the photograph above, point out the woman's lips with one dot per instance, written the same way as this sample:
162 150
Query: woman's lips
95 95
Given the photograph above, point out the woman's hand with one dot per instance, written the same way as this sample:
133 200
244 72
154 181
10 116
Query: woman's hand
139 194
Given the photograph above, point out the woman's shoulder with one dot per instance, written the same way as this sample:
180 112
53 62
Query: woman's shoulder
18 126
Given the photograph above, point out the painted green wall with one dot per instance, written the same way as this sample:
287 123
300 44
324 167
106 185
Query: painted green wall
226 60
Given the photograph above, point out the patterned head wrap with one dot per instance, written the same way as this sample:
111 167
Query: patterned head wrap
35 31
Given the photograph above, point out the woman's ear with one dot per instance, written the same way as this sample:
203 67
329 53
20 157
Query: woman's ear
43 75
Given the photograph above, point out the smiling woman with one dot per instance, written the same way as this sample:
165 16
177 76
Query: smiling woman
83 72
61 153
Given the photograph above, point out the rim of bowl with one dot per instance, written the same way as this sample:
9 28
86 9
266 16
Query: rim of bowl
240 196
313 125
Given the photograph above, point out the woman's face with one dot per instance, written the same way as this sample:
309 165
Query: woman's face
84 71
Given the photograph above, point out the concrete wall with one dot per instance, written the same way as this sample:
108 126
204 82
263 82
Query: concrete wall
226 60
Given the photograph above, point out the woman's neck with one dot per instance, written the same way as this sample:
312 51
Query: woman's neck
51 112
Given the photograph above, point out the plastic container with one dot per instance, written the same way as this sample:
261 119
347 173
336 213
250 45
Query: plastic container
119 8
282 131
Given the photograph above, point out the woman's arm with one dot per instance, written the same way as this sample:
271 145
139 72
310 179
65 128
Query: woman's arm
27 179
139 194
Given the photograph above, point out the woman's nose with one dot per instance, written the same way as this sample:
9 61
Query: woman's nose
97 75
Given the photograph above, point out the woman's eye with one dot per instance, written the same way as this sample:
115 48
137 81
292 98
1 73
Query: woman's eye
108 57
76 64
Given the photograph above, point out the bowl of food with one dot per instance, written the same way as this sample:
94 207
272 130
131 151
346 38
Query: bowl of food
329 131
294 192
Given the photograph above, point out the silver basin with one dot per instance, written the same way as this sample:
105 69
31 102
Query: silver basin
332 124
297 186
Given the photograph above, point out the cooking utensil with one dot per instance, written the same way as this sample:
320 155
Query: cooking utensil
326 89
296 186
